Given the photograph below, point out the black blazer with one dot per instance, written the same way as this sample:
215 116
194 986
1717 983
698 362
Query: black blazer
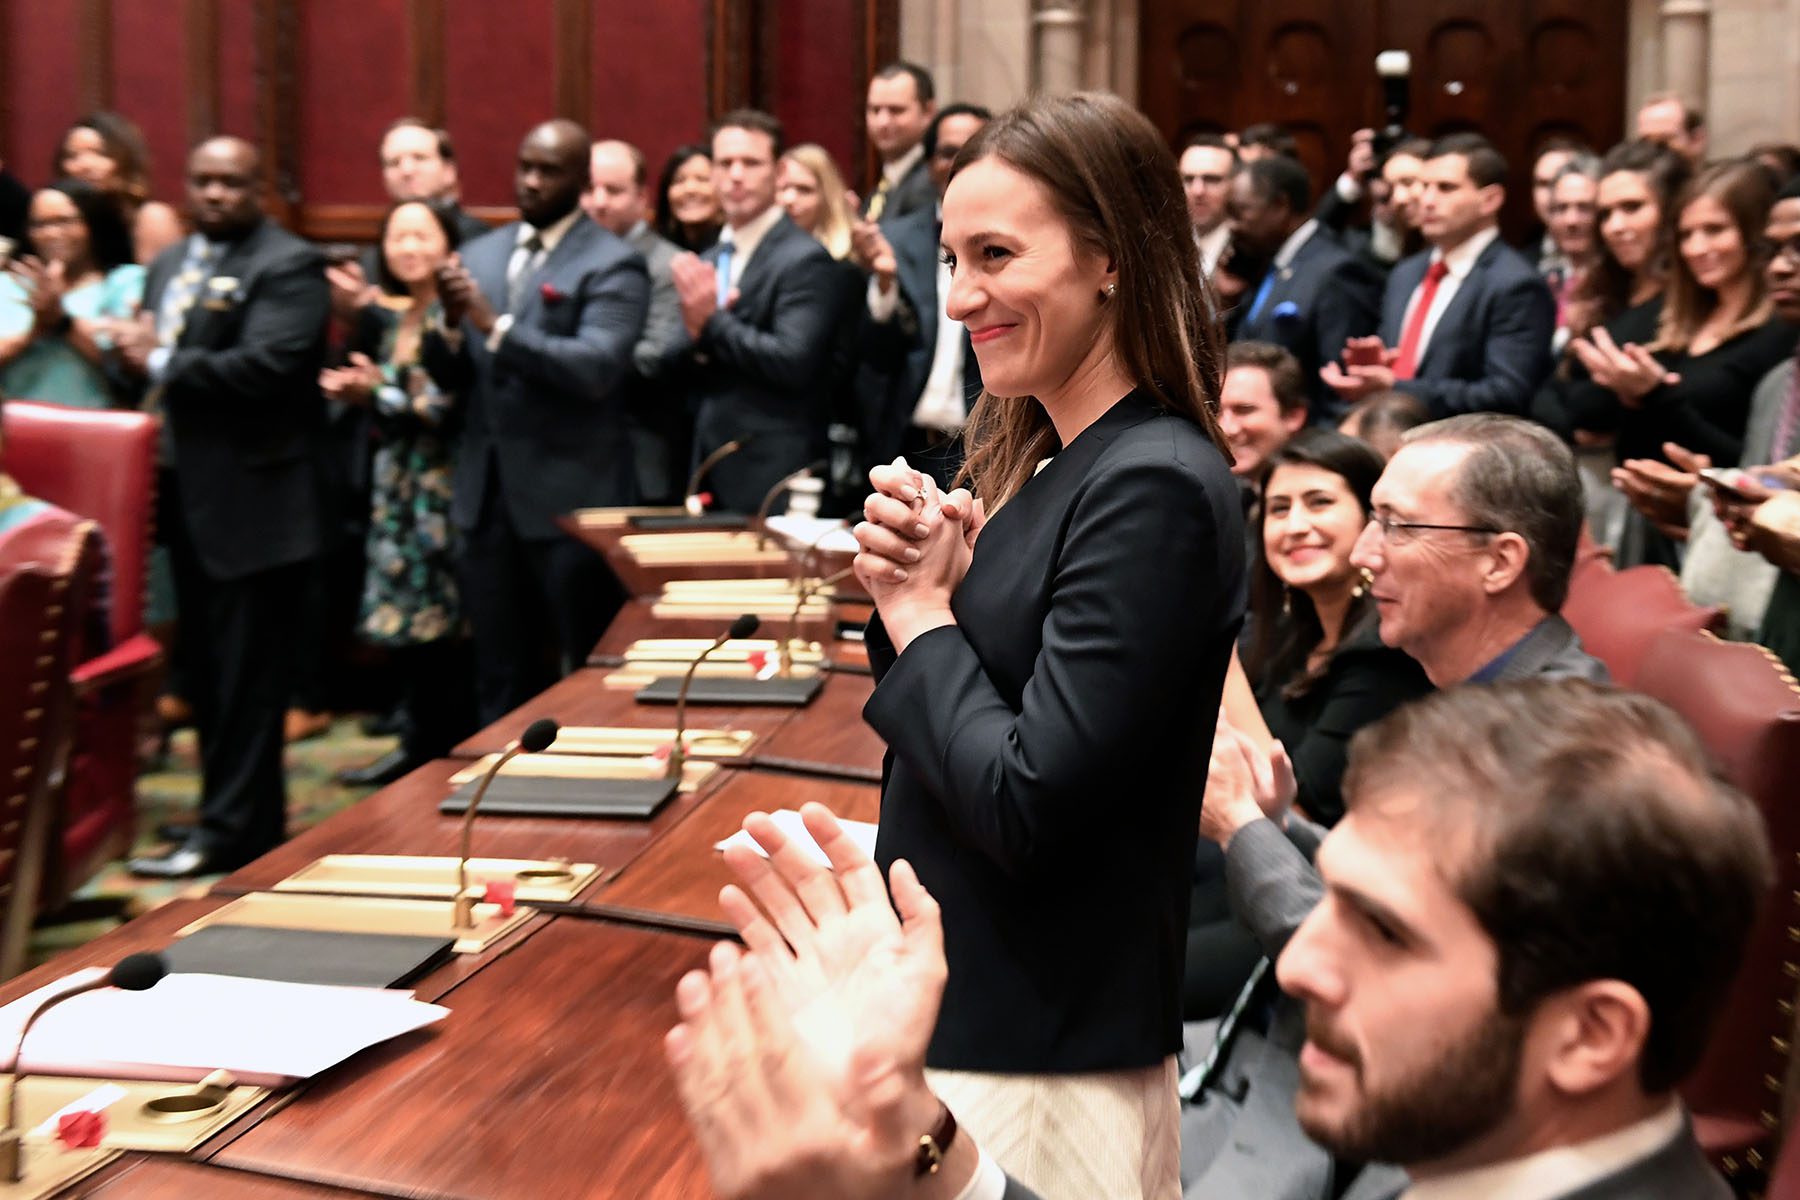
1324 296
546 409
1048 752
896 354
241 398
762 368
1491 349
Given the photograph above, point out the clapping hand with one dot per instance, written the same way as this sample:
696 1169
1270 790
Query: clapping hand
1630 372
352 384
1243 784
350 291
45 284
462 297
870 250
134 340
697 283
1660 491
1353 381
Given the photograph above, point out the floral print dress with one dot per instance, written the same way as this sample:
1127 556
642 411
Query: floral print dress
409 591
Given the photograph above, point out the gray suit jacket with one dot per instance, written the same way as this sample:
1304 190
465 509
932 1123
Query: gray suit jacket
656 414
1241 1138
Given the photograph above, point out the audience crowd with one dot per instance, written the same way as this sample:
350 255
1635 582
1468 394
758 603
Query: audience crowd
1424 417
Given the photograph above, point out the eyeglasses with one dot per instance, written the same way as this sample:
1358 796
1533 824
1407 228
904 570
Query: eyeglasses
1789 249
1387 527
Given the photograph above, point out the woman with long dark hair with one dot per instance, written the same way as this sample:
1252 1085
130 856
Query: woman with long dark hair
73 280
106 150
1052 651
687 206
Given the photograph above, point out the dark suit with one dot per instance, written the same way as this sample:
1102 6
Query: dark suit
761 368
242 512
1323 297
1491 349
544 433
1042 775
915 191
656 418
1241 1138
897 353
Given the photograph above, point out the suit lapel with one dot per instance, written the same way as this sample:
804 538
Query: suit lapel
1406 279
573 242
232 265
751 281
488 265
1456 314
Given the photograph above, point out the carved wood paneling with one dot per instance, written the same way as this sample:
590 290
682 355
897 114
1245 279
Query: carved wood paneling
425 58
277 109
202 69
572 71
93 77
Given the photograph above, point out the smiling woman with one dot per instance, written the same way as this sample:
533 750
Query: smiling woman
1040 685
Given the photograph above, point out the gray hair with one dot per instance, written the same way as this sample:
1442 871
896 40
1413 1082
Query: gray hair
1518 477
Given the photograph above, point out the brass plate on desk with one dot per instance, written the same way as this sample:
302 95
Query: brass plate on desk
709 547
363 914
727 608
618 518
634 742
636 675
164 1118
49 1168
685 650
435 876
585 766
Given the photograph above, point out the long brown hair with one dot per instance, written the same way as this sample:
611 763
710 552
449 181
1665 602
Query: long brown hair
1744 191
1111 176
1605 288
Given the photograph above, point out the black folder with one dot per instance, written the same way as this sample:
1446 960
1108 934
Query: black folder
377 960
557 796
784 691
675 522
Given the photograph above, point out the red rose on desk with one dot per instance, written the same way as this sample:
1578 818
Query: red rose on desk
502 892
80 1130
551 295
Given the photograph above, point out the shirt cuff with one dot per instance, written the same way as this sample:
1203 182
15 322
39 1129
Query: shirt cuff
989 1182
883 304
157 365
391 400
502 324
1348 189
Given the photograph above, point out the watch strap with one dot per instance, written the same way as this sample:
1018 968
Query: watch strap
935 1145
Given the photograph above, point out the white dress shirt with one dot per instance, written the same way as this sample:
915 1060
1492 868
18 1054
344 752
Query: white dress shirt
1212 245
1558 1171
547 237
746 238
942 405
1457 263
895 171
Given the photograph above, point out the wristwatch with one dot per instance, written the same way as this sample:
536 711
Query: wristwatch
935 1146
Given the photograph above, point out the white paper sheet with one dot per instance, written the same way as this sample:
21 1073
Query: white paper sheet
788 821
831 537
266 1033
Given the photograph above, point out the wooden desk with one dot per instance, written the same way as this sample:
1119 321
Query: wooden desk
158 1177
636 622
584 698
547 1080
403 818
677 880
152 931
829 736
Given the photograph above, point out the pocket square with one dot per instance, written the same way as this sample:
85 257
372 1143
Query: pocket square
551 295
1287 310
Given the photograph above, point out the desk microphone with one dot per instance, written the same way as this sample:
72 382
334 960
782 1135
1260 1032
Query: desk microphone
768 501
535 740
691 501
133 973
806 591
741 628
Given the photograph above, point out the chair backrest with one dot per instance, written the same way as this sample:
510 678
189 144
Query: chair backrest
41 574
97 464
1618 614
1746 709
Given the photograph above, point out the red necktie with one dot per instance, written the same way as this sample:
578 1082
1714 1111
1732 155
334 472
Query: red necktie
1407 364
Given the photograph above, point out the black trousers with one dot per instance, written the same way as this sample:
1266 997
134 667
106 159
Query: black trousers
236 655
513 588
438 699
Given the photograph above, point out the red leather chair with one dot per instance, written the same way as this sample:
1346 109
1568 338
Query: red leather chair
1618 614
44 573
100 465
1785 1185
1746 709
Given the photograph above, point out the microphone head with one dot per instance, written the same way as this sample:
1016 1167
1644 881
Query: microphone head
743 627
538 735
138 972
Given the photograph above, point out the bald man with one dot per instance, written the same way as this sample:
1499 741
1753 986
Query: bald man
540 321
228 348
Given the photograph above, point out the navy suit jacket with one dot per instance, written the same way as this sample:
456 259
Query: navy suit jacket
896 354
1323 297
544 413
241 397
1491 349
762 368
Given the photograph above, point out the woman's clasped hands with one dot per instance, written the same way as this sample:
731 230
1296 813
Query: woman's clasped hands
915 543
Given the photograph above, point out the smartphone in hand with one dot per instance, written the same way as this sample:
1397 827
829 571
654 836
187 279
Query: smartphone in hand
1363 354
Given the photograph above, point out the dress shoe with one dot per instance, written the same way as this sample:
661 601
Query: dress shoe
299 725
174 831
383 771
183 862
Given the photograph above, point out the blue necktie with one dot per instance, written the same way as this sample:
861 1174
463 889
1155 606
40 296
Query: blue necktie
1262 294
724 269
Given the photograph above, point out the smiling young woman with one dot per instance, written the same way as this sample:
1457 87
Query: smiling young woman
1041 687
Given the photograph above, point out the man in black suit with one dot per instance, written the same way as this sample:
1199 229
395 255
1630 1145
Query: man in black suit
901 104
1314 295
917 378
540 318
229 344
1466 326
761 308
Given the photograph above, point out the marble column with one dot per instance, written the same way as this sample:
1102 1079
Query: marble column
1060 26
1686 37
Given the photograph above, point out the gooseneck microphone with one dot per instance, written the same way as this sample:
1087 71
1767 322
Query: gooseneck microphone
806 591
535 740
741 628
768 500
691 500
133 973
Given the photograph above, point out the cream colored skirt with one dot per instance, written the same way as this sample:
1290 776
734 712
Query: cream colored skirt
1109 1135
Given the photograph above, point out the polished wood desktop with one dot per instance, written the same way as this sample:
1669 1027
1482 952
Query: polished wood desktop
829 737
150 1177
636 622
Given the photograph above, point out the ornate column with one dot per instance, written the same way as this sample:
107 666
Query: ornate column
1059 26
1686 43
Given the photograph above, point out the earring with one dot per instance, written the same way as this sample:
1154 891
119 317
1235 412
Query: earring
1112 289
1287 600
1363 582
